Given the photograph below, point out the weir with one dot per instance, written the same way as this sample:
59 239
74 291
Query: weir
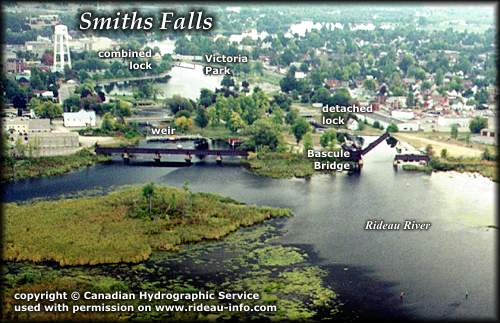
157 153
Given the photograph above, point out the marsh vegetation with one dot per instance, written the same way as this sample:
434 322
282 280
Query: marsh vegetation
122 226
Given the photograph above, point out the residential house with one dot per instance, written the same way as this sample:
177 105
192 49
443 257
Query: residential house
81 118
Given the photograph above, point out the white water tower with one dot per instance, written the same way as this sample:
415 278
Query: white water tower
61 48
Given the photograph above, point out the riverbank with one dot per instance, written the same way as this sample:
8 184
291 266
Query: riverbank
471 165
48 166
462 165
472 160
123 226
454 149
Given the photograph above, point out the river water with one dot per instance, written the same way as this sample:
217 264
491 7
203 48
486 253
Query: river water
368 268
185 81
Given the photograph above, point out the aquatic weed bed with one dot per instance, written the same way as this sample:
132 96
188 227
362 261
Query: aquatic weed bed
249 260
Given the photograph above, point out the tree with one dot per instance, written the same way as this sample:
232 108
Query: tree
410 99
249 108
235 122
86 89
328 138
287 57
392 128
477 124
291 116
308 142
49 110
147 90
207 97
419 73
263 133
83 76
369 84
213 116
481 96
20 101
227 81
300 128
341 97
429 150
288 83
122 110
277 115
148 191
107 122
304 67
487 155
177 103
201 118
456 84
321 95
245 86
454 131
426 85
183 123
406 62
72 103
444 153
283 101
9 87
261 99
439 76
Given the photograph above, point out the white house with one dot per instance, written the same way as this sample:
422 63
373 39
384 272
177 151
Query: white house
409 126
300 75
403 114
449 121
385 120
44 94
81 118
352 124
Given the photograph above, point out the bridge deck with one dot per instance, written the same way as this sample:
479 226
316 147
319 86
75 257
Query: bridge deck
375 143
169 151
411 157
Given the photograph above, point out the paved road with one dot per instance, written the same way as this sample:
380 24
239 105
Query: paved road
65 91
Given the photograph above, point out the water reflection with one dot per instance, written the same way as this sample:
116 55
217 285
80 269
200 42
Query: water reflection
186 82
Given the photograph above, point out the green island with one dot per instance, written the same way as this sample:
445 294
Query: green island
279 165
122 226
